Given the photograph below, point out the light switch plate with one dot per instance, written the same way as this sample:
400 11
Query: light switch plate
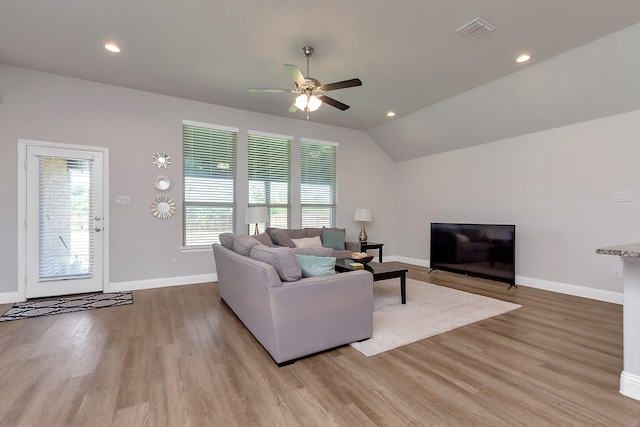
122 200
621 196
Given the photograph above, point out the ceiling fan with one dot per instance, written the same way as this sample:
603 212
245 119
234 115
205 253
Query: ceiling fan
309 90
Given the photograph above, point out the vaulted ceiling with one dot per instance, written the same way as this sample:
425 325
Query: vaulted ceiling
407 53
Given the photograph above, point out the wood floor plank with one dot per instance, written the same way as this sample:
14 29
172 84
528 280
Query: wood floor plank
179 356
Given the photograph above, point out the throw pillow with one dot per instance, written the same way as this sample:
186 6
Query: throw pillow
264 239
281 237
282 259
226 240
333 239
313 266
242 244
308 242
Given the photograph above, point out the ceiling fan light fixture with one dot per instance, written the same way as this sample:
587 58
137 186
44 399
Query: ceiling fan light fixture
312 101
301 102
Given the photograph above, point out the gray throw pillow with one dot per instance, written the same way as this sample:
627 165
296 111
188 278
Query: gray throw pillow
282 238
264 239
282 259
226 240
242 244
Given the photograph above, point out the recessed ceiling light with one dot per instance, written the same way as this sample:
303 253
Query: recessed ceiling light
523 58
391 114
112 47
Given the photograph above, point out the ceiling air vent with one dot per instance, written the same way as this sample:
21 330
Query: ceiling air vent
476 28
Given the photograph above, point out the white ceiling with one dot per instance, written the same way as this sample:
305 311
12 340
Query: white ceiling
406 52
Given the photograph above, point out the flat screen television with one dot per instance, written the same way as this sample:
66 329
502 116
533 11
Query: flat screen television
479 250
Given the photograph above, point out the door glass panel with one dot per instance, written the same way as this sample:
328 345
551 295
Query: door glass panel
66 241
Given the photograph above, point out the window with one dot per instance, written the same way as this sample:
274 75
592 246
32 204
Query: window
209 204
318 183
268 165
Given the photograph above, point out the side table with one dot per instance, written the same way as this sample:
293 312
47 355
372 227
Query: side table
371 245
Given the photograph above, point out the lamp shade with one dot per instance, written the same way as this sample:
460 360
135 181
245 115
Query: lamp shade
363 214
257 214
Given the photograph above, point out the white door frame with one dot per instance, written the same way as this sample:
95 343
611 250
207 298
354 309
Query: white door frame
23 144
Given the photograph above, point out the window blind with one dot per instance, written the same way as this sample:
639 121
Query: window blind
318 184
66 240
269 172
209 205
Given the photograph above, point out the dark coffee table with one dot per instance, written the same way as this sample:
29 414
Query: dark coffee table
380 272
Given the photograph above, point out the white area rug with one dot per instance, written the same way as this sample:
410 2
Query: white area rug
430 310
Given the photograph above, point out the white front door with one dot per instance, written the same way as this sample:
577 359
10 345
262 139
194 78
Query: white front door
64 220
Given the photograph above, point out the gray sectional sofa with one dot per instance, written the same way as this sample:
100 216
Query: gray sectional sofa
290 315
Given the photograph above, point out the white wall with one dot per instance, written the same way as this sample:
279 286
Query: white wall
555 185
134 125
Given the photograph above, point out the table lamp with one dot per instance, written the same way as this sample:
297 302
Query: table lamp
257 215
363 215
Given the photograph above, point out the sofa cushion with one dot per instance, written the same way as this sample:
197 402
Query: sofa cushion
281 237
242 244
313 266
264 239
308 242
282 259
314 251
333 239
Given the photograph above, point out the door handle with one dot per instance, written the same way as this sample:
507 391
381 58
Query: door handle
98 229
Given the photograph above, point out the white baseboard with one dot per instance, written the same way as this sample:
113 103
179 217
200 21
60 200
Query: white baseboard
575 290
10 297
562 288
630 385
412 261
136 285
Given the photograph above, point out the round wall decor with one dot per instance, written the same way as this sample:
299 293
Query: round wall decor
163 207
162 182
161 160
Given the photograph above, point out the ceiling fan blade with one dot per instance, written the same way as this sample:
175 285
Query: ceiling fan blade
339 105
340 85
271 90
296 74
292 108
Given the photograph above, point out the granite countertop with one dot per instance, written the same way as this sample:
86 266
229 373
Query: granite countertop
629 250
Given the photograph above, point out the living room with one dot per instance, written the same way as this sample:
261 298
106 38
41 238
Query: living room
554 183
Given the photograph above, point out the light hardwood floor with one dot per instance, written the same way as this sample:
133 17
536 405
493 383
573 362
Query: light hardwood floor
179 357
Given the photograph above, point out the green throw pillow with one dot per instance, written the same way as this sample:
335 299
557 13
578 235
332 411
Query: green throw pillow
316 265
333 239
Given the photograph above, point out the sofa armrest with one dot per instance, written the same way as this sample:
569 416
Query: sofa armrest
352 246
318 313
